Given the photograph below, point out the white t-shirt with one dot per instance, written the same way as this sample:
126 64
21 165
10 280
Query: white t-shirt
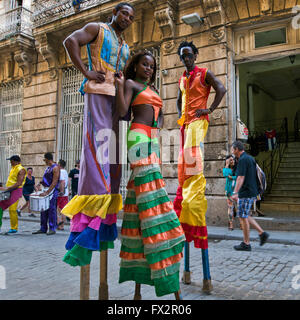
64 176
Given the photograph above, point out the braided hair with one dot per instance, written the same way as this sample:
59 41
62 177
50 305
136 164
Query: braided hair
130 72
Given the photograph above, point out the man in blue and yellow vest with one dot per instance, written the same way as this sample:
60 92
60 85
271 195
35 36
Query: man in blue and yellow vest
14 185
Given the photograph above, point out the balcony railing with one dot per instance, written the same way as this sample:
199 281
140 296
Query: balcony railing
47 11
14 22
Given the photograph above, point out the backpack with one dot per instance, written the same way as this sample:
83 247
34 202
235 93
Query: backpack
261 180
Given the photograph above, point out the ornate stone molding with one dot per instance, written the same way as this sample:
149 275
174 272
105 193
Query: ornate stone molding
166 21
49 54
25 58
168 46
265 6
215 18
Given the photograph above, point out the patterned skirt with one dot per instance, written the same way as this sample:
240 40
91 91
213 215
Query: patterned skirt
151 235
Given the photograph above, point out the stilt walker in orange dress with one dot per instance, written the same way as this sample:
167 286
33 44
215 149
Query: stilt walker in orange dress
152 238
190 203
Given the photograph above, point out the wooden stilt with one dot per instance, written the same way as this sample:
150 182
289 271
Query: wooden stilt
207 286
103 286
85 282
137 293
178 295
186 278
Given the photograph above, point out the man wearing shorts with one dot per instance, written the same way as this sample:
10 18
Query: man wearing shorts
245 193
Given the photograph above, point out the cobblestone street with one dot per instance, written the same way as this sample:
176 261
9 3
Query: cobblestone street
34 270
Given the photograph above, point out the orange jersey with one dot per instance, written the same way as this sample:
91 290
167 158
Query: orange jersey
195 94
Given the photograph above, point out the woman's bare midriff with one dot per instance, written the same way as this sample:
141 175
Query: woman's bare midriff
143 113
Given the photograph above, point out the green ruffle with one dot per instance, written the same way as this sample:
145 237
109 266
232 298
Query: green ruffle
131 224
167 285
146 170
159 219
153 203
129 200
141 263
148 178
78 256
131 216
132 250
160 228
139 275
105 245
153 195
132 243
148 249
156 274
159 256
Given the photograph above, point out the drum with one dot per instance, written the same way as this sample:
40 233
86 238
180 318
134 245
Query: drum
4 195
38 203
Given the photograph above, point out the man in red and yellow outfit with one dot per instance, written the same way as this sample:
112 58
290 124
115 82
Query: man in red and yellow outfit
194 88
190 203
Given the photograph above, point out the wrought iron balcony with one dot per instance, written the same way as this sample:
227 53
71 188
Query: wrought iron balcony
47 11
14 22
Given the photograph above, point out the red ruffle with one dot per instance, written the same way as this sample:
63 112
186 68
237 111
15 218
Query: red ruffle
193 233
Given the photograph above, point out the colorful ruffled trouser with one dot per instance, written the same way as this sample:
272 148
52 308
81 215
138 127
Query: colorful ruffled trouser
93 210
190 203
151 235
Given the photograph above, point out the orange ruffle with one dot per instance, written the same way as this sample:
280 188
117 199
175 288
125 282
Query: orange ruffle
130 208
150 186
166 262
131 255
162 208
130 232
171 234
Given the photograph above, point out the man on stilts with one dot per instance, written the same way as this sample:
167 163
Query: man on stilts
94 209
190 203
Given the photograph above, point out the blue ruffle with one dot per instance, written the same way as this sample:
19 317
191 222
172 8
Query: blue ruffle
70 242
90 238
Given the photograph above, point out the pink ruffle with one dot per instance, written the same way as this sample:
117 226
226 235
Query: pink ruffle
80 221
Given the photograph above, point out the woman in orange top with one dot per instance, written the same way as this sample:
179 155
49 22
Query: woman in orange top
152 237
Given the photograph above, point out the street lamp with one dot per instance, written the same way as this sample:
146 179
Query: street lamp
192 19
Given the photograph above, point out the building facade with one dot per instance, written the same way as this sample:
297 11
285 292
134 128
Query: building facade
241 41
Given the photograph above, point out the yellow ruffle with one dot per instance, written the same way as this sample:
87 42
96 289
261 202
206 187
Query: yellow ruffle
94 205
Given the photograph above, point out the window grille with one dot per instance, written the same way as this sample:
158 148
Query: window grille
71 117
11 107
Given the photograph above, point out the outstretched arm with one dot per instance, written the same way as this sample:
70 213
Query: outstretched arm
78 39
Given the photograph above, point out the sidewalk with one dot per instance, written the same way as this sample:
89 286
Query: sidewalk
214 233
